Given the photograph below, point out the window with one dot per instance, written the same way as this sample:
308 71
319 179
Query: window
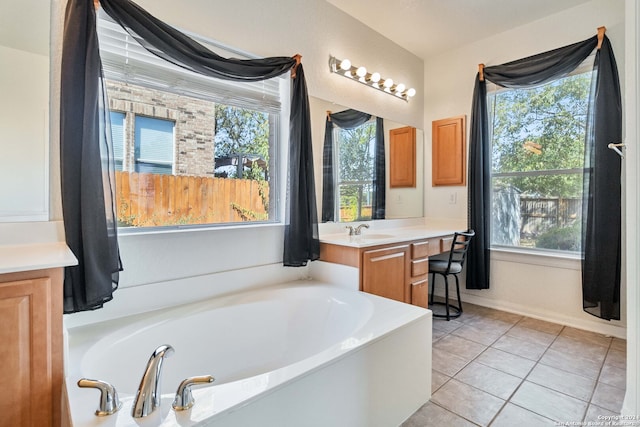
197 150
355 150
537 164
154 145
117 137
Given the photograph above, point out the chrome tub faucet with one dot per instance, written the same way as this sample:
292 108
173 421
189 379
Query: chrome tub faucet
148 395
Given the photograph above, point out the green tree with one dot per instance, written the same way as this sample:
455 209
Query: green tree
356 157
243 131
539 129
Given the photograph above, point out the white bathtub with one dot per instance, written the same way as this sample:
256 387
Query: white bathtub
300 354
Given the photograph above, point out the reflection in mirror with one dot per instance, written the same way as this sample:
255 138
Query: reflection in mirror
24 110
353 160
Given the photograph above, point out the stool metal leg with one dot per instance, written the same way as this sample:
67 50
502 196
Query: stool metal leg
458 292
446 296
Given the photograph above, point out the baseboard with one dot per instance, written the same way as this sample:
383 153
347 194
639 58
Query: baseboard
549 316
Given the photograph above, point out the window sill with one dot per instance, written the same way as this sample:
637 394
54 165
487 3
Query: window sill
205 228
545 259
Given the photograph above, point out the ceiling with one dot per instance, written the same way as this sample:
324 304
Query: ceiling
428 27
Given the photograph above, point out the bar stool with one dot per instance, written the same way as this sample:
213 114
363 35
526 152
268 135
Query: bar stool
453 266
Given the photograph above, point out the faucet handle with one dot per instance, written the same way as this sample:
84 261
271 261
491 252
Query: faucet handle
109 402
351 230
184 399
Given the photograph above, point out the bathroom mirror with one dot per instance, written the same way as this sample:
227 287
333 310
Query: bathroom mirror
400 202
24 110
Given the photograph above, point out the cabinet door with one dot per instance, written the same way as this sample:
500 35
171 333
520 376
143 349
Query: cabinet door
25 371
385 272
402 157
448 151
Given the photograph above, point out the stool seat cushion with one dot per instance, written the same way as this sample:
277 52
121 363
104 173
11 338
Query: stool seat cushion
440 266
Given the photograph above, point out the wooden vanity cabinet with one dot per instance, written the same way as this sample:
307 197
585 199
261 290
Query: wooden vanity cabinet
398 271
31 350
384 272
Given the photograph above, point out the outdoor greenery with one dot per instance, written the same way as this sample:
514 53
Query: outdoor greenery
356 156
538 152
552 117
243 131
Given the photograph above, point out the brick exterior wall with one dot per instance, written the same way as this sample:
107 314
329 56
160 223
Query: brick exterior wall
194 129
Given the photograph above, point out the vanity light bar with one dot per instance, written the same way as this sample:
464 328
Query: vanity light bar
344 68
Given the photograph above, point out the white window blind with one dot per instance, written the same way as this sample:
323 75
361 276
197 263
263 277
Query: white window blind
117 137
154 144
123 59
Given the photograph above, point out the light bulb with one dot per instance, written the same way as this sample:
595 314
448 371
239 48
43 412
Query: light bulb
345 64
361 72
411 92
400 88
375 77
388 83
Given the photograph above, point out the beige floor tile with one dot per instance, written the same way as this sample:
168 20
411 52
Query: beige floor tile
531 335
571 363
549 403
469 402
497 383
563 381
446 326
608 397
506 362
520 347
616 358
436 334
614 376
437 380
595 414
579 348
459 346
431 414
504 316
619 344
490 324
482 336
447 363
512 415
540 325
586 336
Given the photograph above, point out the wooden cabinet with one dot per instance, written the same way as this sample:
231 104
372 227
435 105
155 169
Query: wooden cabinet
448 151
31 349
384 272
397 271
402 157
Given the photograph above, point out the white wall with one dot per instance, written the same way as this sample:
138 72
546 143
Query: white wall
530 285
24 131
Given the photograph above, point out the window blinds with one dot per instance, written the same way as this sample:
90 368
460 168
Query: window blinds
125 60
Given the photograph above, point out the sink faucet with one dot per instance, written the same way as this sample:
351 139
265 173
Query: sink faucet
148 394
356 231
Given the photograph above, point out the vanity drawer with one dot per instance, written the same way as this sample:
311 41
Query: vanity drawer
420 292
420 249
445 244
419 267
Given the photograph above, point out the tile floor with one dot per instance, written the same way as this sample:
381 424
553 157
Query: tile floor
492 368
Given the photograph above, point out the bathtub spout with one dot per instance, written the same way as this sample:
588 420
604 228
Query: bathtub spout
148 394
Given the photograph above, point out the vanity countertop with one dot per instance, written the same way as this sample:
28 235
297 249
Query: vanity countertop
35 256
375 236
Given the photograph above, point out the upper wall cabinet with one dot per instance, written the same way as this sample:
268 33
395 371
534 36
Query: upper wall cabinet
448 151
402 157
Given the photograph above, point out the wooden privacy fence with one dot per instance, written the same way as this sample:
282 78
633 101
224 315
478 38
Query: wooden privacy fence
145 199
